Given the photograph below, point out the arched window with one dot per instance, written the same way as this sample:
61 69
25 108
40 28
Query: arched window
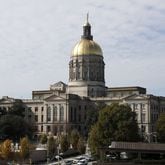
61 113
48 113
55 113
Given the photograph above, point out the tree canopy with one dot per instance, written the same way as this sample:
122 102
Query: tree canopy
52 146
2 111
5 149
74 138
160 128
25 147
115 123
14 127
12 123
92 115
64 143
17 108
43 139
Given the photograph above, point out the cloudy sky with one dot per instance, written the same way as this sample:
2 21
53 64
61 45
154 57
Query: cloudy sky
37 36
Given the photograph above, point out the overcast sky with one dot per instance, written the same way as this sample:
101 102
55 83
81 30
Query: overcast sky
37 37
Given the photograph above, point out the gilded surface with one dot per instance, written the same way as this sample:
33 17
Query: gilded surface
86 47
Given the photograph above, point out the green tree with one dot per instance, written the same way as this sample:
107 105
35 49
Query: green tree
52 146
43 139
64 143
81 145
115 123
18 108
160 128
25 147
2 111
92 115
14 127
6 151
74 138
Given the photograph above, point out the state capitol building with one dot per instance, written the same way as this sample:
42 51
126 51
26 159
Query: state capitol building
64 107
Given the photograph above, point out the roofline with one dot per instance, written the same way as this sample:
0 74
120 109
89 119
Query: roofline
129 87
42 91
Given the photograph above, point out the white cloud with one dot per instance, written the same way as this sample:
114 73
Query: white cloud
36 38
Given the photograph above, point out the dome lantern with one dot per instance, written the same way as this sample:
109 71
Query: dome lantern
86 46
87 30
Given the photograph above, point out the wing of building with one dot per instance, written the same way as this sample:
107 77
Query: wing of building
64 107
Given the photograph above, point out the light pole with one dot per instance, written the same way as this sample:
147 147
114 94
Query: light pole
58 152
59 157
48 147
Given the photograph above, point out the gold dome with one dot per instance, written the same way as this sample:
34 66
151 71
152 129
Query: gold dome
86 47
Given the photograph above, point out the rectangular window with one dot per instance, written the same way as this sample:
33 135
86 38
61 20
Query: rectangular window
36 109
55 113
42 118
36 118
75 114
143 117
48 128
48 114
136 106
55 130
143 128
41 128
143 106
61 113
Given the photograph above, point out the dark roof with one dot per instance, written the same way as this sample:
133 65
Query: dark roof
137 147
129 88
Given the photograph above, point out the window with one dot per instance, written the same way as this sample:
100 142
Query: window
71 113
143 128
42 118
41 128
55 130
61 113
143 106
36 118
92 92
42 109
143 117
75 114
48 113
136 106
48 128
114 94
36 109
55 113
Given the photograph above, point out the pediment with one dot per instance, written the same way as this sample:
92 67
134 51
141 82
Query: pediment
54 98
135 97
6 100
